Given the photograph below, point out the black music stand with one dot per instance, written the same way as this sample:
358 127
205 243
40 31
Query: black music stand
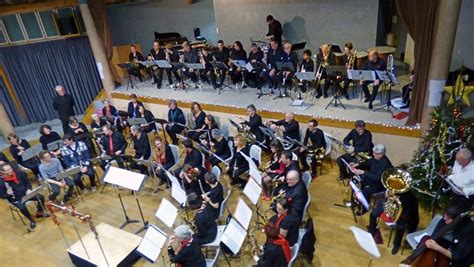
256 67
284 66
304 76
390 78
197 67
298 46
128 67
162 122
180 66
334 71
221 66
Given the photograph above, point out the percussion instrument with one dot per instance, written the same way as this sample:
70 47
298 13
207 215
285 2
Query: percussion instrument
361 59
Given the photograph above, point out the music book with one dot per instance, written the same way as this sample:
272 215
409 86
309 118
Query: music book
55 145
173 179
359 195
361 75
123 178
178 193
234 236
68 173
167 212
252 190
152 243
366 241
33 193
306 76
243 214
255 174
136 121
162 64
31 152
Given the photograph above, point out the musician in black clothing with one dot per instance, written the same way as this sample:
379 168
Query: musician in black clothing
3 159
371 172
307 65
359 140
237 53
193 156
324 58
346 58
48 136
133 105
141 145
373 63
408 220
80 133
114 145
316 136
252 78
199 118
276 250
295 192
456 244
406 91
135 58
206 227
189 253
274 29
97 122
163 156
17 148
172 56
215 196
175 116
270 73
221 55
150 125
190 55
205 58
63 103
220 146
286 164
14 185
254 123
288 56
157 53
291 127
287 221
238 165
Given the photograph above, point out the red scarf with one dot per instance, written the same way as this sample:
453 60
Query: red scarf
111 145
280 219
281 241
185 243
11 178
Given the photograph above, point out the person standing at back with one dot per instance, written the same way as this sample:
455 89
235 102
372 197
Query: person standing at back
63 103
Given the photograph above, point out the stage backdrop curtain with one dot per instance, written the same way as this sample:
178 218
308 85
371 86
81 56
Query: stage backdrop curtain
419 18
8 104
35 69
98 10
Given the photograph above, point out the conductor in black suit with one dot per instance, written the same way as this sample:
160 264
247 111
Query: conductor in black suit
274 28
63 103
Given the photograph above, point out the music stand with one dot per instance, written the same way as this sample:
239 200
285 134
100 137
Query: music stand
36 191
334 71
243 214
221 66
31 152
303 76
162 64
129 180
136 121
253 169
167 212
162 122
55 145
391 80
298 46
180 66
257 68
152 243
128 67
366 242
253 191
234 236
284 66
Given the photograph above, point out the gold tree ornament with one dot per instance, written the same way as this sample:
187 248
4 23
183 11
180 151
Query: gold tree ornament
459 91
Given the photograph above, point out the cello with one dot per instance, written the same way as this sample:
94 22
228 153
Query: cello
424 257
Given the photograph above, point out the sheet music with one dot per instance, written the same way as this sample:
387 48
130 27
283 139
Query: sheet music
366 241
243 214
456 188
250 161
234 236
359 195
178 193
33 193
419 237
167 212
31 152
123 178
152 243
252 190
172 178
255 174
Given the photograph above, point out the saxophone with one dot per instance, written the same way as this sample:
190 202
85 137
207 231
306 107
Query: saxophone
254 246
185 218
350 63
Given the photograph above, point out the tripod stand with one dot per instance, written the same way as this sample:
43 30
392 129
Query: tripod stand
182 84
334 72
128 67
222 69
391 79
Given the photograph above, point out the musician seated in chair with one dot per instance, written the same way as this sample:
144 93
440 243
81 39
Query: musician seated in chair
221 55
307 65
206 227
295 192
80 132
252 78
215 196
456 244
50 168
205 58
220 146
272 167
112 115
239 165
141 145
359 140
285 75
323 59
190 55
192 178
157 53
270 73
287 221
255 122
189 253
14 185
17 148
172 55
276 250
164 157
349 60
463 177
277 176
406 218
371 173
150 125
291 127
193 159
175 116
113 145
237 53
318 143
76 154
134 58
199 118
132 108
373 63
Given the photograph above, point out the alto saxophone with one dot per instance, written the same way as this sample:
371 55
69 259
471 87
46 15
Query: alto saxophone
254 246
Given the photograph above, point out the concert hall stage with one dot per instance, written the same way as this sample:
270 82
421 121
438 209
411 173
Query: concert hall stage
232 104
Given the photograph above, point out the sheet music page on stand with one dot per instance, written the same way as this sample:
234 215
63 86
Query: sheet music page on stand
127 179
252 190
234 236
173 179
255 174
243 214
152 243
178 193
167 212
366 241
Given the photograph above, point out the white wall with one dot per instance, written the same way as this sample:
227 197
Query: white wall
464 44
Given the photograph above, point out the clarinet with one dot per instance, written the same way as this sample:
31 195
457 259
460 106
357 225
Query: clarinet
9 188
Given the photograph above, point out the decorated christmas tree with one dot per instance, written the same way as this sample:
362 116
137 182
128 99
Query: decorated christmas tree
449 131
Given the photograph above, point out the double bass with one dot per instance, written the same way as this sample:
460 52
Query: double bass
422 256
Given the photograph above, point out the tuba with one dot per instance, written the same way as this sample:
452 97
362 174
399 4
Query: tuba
396 181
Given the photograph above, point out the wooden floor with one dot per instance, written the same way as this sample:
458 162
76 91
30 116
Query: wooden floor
335 245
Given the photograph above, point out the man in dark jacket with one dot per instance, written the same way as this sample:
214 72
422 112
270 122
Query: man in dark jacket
63 103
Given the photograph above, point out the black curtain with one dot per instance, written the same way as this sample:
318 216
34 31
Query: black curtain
35 69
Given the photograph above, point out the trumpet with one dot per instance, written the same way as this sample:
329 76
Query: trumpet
280 195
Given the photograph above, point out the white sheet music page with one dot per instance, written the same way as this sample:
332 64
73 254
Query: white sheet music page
252 190
255 174
123 178
234 236
243 214
366 241
167 212
152 243
178 193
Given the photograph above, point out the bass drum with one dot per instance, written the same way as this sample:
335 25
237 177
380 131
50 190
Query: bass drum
361 59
